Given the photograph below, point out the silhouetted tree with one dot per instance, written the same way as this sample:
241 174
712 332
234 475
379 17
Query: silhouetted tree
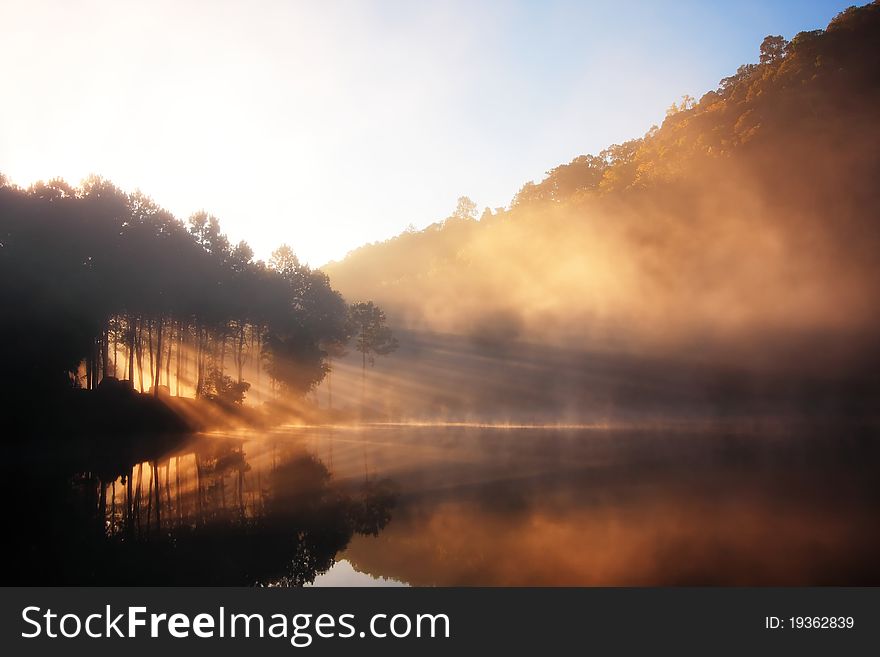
372 335
313 314
96 276
221 388
772 49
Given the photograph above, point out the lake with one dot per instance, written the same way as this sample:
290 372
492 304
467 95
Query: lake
452 505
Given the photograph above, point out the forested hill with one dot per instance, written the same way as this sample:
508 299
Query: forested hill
748 215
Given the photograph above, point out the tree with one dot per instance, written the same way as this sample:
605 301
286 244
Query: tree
687 103
372 336
465 209
772 49
742 74
285 262
223 390
529 193
100 278
311 317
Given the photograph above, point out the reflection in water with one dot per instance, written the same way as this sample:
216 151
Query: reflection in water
471 506
210 513
735 505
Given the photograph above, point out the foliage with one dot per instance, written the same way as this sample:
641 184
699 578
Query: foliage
372 335
224 390
89 272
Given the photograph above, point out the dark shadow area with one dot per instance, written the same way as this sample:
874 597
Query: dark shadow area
107 299
174 511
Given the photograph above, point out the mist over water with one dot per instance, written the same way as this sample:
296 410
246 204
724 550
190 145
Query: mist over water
457 505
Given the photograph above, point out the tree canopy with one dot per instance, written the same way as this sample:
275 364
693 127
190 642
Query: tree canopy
96 283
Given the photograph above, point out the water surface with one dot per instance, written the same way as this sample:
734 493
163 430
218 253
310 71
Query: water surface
454 505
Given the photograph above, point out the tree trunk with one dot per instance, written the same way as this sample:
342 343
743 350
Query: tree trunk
180 329
200 507
240 356
140 352
199 368
152 363
158 358
168 359
116 350
177 486
103 505
150 498
137 496
113 507
89 371
158 498
256 339
129 503
105 351
131 351
222 350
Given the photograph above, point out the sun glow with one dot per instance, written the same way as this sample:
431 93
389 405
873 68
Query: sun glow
328 125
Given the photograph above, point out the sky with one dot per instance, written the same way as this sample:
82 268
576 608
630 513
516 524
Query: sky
328 125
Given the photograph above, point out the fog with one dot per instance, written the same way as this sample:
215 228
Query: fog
752 275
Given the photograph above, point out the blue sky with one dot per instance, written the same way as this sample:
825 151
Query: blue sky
326 125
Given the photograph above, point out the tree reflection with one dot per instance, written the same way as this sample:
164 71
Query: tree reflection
202 516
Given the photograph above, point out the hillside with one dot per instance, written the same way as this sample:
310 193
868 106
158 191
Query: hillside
741 232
